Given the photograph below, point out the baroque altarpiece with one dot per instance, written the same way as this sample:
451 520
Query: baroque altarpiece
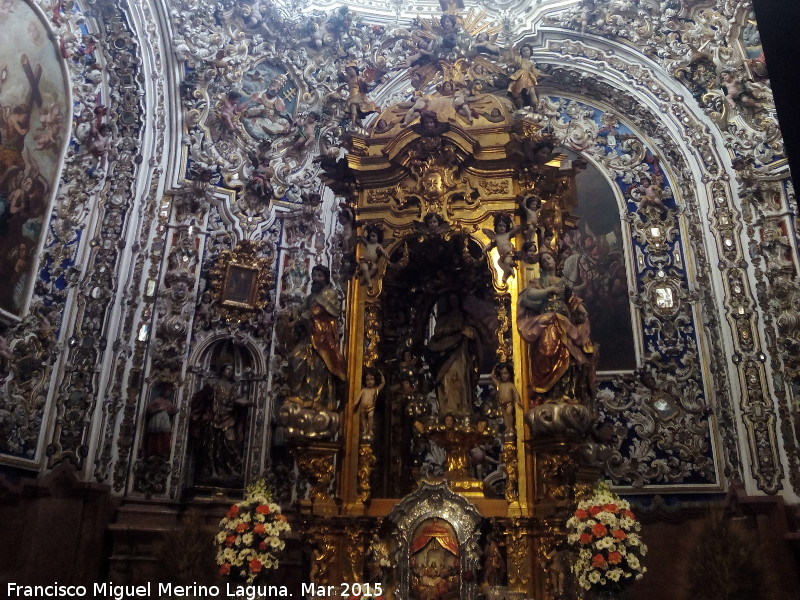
430 271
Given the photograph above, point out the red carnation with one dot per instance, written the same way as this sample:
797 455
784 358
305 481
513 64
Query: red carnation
262 509
598 560
614 558
262 546
581 514
612 508
586 538
629 514
599 530
230 540
594 510
242 527
619 534
224 569
259 528
255 565
233 511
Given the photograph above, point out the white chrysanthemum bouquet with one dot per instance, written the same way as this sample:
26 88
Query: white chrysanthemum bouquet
250 535
605 533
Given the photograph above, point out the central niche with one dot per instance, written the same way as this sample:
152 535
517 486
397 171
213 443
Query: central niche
439 339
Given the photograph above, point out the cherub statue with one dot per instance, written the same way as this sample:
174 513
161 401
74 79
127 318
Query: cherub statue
373 250
305 130
736 91
432 223
230 110
415 109
460 99
650 192
531 206
261 178
530 256
501 239
365 404
100 142
507 394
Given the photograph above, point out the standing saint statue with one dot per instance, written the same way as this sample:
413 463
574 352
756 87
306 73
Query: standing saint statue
555 324
455 348
316 361
218 426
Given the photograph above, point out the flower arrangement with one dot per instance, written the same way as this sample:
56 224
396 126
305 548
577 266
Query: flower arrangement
250 535
605 533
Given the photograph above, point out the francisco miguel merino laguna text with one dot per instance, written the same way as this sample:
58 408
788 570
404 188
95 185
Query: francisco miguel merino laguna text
123 592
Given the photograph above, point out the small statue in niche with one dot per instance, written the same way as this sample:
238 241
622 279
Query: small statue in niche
158 431
501 239
507 394
365 404
494 566
373 250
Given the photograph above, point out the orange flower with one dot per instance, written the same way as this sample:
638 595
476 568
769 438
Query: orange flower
586 538
614 558
233 511
262 546
242 527
581 514
224 569
259 528
598 560
230 540
262 509
594 510
280 518
599 530
619 534
629 514
255 565
612 508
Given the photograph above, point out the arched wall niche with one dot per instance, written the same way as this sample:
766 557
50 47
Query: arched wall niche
244 388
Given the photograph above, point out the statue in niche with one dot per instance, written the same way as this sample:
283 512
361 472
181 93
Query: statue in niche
455 347
218 423
316 361
158 430
494 566
555 324
365 404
